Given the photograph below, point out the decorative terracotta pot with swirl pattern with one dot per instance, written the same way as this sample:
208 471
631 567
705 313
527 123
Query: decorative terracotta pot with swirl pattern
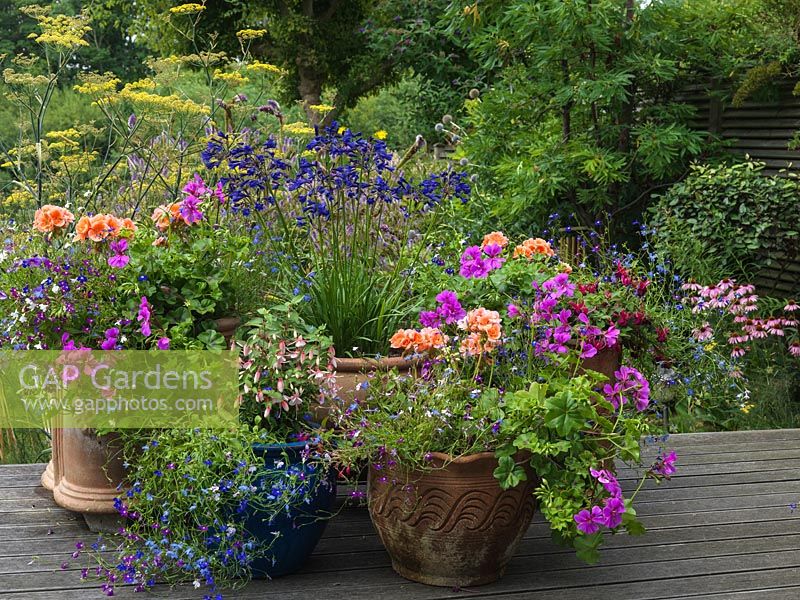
452 526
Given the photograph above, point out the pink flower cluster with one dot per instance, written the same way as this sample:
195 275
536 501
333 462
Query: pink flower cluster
740 302
449 311
568 325
477 262
630 386
610 513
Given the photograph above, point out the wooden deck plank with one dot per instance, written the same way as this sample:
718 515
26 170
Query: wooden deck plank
721 528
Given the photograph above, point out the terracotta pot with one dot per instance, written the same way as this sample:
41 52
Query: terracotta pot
227 326
87 470
351 372
50 477
453 526
605 362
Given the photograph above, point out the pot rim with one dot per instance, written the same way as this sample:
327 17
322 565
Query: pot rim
463 459
361 364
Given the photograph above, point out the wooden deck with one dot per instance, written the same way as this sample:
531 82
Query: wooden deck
725 527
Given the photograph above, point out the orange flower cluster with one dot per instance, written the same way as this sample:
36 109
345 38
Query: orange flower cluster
496 237
166 214
429 338
99 227
51 218
485 331
533 246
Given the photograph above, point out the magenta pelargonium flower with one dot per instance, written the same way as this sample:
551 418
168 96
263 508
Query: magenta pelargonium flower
196 187
665 465
493 259
163 343
590 521
608 480
450 309
119 259
610 514
472 264
144 316
429 318
630 385
559 286
190 211
112 337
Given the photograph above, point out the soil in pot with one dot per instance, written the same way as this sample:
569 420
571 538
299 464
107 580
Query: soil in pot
453 526
301 529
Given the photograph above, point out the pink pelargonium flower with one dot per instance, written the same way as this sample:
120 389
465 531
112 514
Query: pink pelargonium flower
665 465
196 187
144 316
612 512
493 259
559 286
589 522
513 311
608 480
449 309
112 336
588 350
472 264
190 211
163 343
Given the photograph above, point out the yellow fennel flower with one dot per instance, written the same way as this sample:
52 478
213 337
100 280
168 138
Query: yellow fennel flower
187 9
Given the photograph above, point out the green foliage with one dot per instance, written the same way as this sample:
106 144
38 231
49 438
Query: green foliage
394 109
728 221
583 112
286 371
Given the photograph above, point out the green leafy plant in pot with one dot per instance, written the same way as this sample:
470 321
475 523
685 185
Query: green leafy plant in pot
502 415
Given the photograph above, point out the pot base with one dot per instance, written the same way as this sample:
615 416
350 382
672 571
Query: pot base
440 581
48 477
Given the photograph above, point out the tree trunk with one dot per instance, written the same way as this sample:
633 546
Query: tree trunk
310 89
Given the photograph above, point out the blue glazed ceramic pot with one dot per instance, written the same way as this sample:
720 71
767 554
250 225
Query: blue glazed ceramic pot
299 530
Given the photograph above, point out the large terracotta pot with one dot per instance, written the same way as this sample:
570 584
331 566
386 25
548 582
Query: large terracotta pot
605 362
227 326
353 375
87 470
453 526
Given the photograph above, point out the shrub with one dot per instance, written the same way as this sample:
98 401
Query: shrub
728 220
